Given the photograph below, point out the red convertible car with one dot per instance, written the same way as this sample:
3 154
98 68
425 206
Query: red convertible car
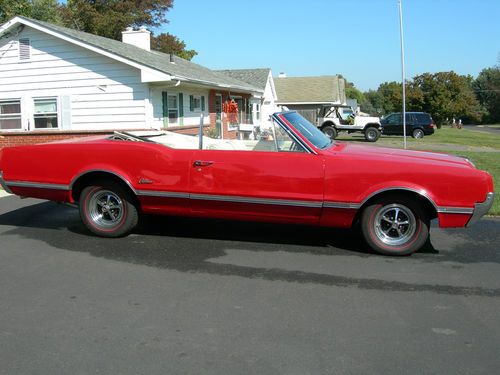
294 175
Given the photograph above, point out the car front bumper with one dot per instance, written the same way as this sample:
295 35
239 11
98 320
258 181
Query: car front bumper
480 209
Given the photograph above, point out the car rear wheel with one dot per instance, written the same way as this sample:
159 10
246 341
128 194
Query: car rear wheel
418 133
395 225
330 132
372 134
107 210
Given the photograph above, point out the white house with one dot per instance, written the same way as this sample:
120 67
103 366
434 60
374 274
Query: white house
57 82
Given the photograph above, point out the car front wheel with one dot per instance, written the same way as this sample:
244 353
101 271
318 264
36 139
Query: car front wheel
107 210
395 225
418 133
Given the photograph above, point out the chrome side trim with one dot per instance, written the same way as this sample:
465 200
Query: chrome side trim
3 184
238 199
482 208
37 185
342 205
162 194
455 210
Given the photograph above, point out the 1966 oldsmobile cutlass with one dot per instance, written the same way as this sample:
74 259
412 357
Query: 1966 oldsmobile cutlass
295 175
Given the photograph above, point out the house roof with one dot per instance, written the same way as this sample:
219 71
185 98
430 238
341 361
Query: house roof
181 69
256 77
322 89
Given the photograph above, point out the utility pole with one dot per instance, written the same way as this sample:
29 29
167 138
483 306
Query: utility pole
402 68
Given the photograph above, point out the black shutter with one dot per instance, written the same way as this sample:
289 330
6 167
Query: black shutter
164 100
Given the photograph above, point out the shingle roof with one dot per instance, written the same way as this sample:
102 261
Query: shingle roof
322 89
152 59
255 77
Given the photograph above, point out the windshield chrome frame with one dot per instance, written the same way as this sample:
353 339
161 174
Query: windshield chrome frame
292 134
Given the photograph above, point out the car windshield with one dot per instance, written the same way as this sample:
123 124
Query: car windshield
308 130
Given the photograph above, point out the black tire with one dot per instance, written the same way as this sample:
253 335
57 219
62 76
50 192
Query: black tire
107 210
395 225
330 131
417 133
372 134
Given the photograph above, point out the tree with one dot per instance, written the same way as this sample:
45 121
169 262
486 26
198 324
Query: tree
448 95
168 43
43 10
109 18
487 89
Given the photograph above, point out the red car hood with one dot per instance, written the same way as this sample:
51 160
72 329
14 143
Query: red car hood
371 152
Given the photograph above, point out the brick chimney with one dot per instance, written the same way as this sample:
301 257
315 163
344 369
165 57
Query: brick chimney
140 38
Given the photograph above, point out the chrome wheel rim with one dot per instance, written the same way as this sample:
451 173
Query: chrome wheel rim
371 134
394 224
105 209
419 134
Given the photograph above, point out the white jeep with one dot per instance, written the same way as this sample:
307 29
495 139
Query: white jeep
335 118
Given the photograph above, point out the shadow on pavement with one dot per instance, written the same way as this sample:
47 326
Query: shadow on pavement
188 245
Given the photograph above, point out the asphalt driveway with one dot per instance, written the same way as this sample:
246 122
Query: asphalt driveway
193 296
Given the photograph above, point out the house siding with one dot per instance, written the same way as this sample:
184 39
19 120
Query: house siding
104 94
190 118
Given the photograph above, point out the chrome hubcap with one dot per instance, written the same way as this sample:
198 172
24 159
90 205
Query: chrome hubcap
394 224
105 209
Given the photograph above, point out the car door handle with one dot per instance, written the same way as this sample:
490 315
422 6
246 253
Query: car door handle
202 163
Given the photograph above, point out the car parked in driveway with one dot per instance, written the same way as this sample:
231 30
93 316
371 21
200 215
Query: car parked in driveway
295 175
418 124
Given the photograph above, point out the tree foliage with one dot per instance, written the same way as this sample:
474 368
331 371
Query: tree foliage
487 89
169 43
443 95
43 10
448 95
107 18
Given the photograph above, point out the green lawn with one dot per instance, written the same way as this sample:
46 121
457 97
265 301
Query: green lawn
481 147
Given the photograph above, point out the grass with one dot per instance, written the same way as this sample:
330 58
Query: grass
488 161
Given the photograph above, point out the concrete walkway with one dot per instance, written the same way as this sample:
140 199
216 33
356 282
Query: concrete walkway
3 193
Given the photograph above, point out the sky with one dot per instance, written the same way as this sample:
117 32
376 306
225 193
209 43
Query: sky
356 38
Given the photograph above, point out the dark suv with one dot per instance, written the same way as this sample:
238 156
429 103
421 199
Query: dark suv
418 124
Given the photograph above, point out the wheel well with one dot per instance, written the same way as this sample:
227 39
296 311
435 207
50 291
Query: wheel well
426 203
100 176
372 125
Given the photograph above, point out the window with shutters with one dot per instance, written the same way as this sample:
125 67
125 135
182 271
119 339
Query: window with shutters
24 49
196 103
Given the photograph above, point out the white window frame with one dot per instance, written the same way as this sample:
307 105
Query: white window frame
57 113
13 115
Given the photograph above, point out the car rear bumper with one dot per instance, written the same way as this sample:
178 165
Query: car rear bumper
480 209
